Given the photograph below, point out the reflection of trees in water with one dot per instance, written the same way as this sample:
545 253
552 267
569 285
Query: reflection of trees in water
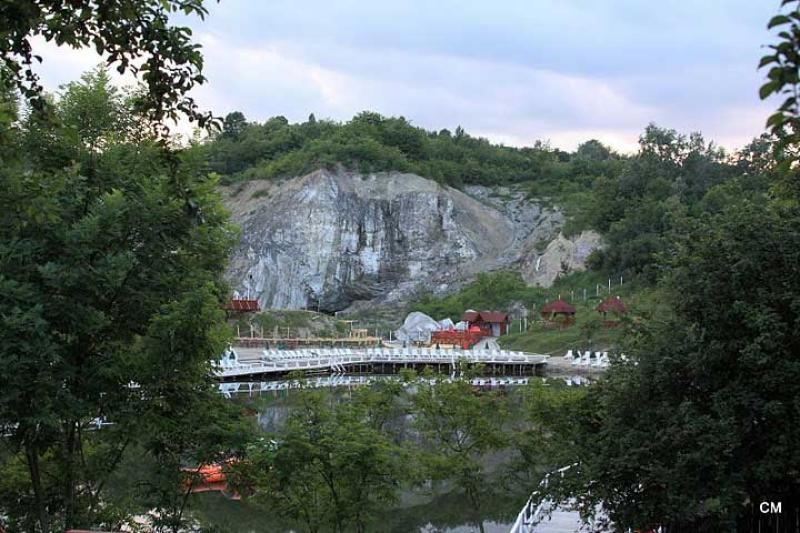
440 512
441 505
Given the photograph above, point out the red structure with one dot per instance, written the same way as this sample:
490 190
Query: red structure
208 478
558 312
242 306
464 339
612 305
480 324
491 323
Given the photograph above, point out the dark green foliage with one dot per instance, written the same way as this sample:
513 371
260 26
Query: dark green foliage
703 421
341 458
371 142
782 77
489 291
460 427
330 466
111 255
135 36
639 210
708 419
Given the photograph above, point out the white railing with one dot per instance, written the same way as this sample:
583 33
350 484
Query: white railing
536 508
336 359
338 380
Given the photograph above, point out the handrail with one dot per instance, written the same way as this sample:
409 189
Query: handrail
332 358
529 516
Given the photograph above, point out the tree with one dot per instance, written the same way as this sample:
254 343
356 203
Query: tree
593 150
330 465
705 422
782 77
110 303
233 125
460 427
135 36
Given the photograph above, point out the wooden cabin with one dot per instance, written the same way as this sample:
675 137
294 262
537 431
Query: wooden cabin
492 323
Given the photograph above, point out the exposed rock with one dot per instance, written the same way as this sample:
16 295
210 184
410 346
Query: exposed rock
337 240
562 256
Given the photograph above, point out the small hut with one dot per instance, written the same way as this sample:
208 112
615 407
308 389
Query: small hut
492 323
237 307
614 306
558 312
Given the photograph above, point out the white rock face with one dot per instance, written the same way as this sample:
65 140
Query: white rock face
562 255
335 239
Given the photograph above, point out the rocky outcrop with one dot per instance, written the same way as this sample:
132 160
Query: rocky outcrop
561 256
331 240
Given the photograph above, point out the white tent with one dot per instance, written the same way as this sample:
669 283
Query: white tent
446 324
417 327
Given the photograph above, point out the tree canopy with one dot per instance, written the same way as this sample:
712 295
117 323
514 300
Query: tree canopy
112 249
699 423
134 36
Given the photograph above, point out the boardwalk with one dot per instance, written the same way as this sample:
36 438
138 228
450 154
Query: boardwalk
541 515
278 363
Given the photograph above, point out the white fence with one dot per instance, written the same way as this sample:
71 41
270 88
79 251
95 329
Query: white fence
337 359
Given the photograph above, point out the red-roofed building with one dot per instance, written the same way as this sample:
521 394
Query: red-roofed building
237 306
558 312
616 307
613 305
557 307
492 323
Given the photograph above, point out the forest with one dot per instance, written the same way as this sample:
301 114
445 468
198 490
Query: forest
114 243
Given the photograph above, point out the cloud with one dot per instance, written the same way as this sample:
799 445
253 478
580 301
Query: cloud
513 70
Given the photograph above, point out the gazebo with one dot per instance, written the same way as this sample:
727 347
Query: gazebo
613 305
560 312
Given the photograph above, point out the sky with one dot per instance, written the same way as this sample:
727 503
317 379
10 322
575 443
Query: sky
514 71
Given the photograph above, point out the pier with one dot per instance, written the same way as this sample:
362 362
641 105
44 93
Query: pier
278 363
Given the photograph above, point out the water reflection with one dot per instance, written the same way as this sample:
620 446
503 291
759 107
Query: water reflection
257 388
437 510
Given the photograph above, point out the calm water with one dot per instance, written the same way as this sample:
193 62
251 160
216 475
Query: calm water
440 514
437 511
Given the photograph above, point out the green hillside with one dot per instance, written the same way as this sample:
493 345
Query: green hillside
637 201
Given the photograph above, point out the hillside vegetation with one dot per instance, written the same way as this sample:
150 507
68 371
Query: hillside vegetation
636 201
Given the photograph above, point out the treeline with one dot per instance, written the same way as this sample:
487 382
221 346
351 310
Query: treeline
637 202
370 142
673 179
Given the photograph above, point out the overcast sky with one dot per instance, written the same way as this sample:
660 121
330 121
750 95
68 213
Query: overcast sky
512 71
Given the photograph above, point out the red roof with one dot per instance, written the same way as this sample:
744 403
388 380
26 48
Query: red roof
612 305
558 306
242 305
492 317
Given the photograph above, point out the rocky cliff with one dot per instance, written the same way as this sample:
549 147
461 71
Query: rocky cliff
335 240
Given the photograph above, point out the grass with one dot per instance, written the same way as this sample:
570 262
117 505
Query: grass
317 323
588 331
